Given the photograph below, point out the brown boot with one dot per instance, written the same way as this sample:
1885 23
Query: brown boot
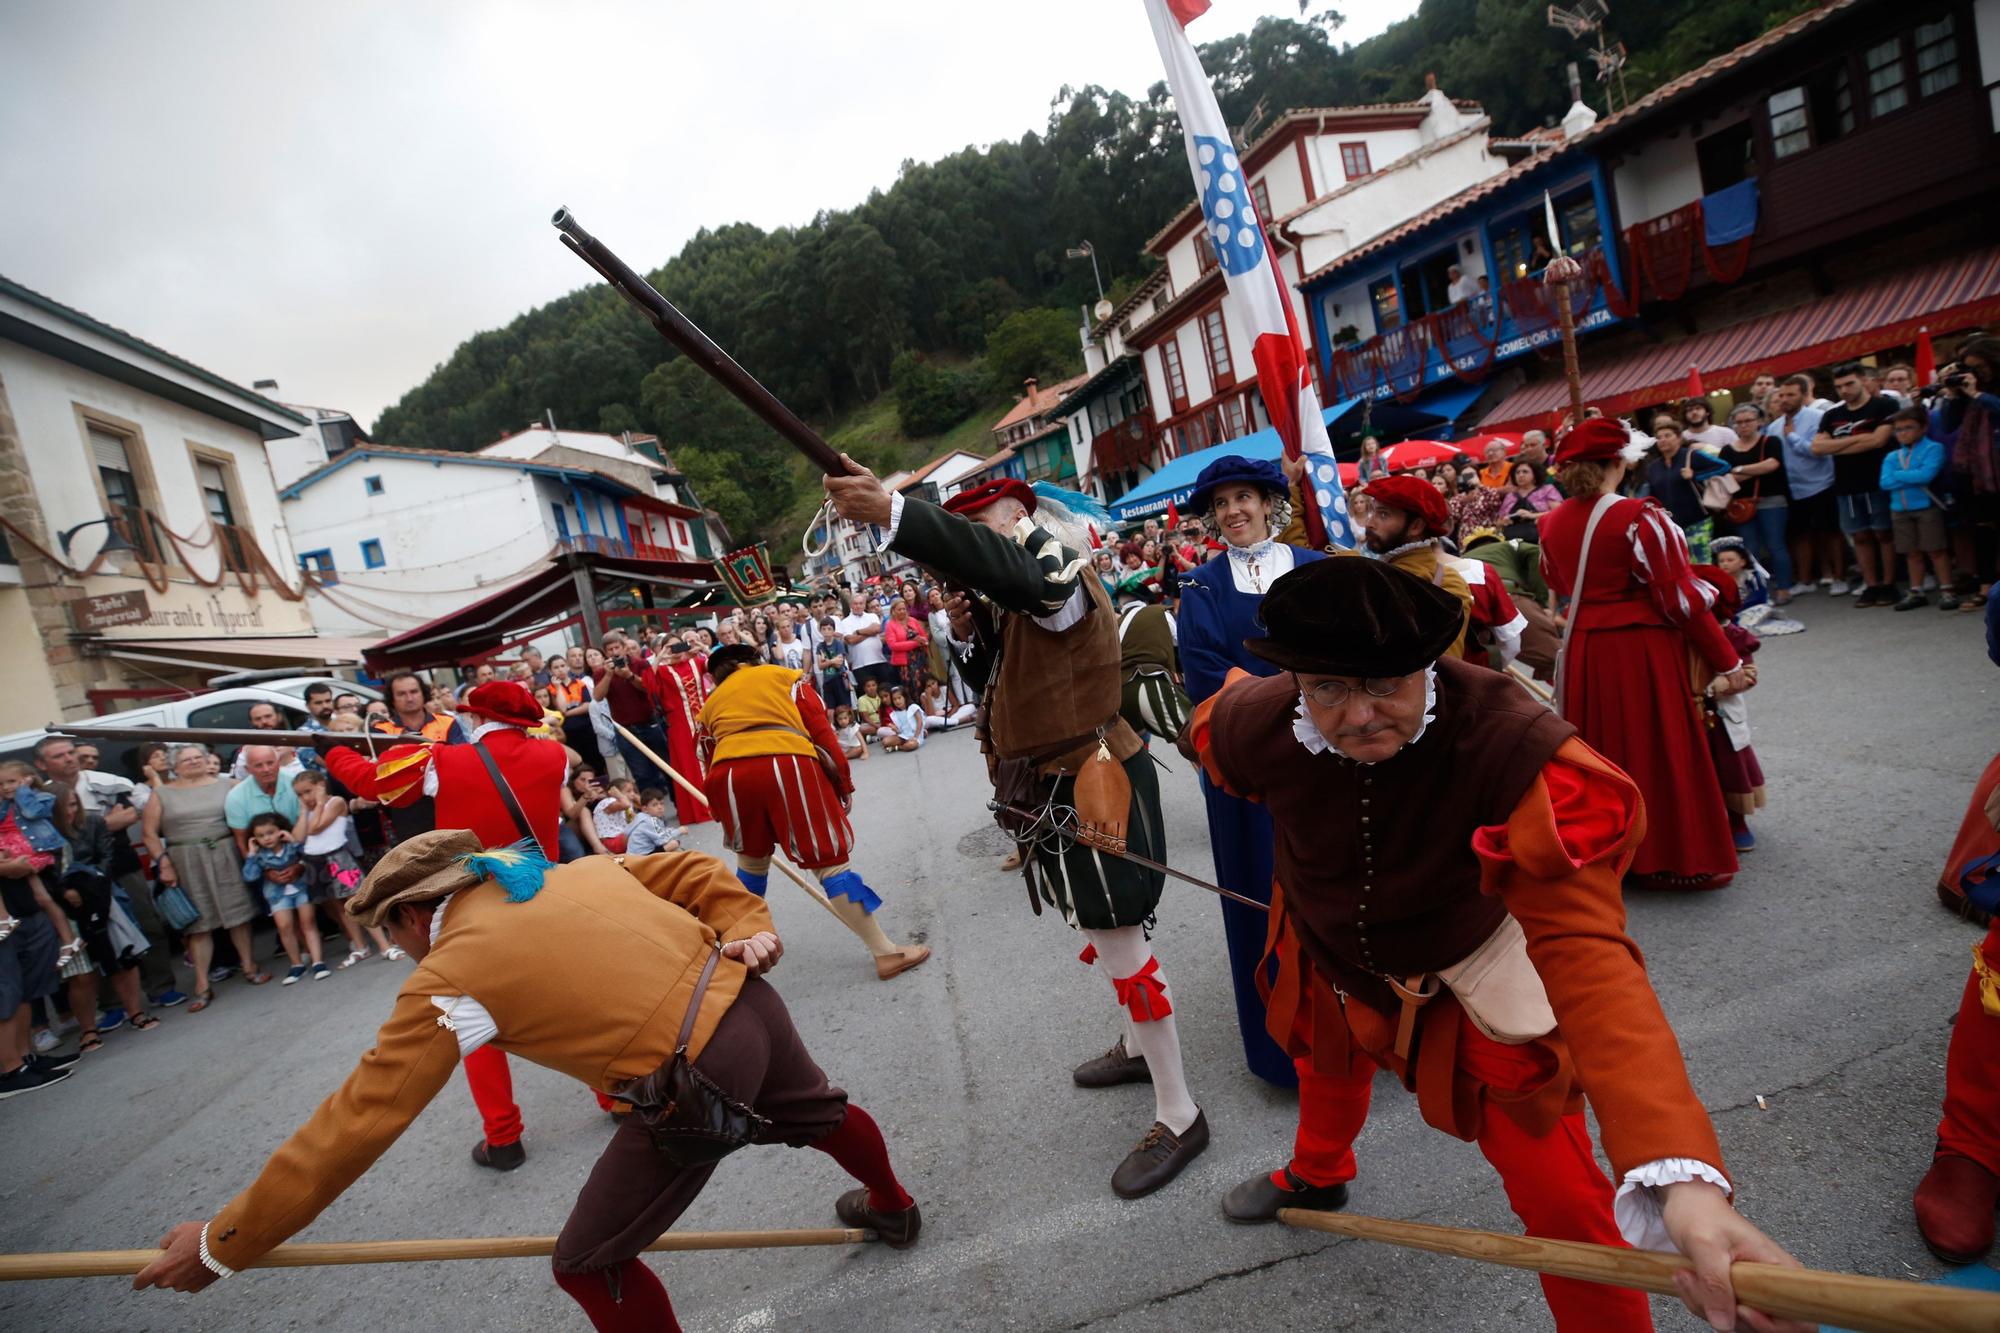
1112 1068
1160 1156
1955 1206
895 964
897 1230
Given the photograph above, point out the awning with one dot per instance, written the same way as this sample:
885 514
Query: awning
1855 321
1174 483
323 649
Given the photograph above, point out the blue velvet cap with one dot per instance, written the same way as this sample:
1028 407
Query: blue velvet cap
1236 468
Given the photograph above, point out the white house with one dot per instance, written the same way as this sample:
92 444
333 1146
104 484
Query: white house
105 438
397 537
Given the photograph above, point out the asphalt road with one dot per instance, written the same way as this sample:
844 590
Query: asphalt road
1823 980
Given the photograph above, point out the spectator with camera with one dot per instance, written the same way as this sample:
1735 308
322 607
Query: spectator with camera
629 686
1965 418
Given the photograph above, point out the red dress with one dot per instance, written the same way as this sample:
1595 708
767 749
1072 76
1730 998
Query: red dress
683 690
1627 683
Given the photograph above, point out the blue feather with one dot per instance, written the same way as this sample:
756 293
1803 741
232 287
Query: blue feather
519 869
1084 507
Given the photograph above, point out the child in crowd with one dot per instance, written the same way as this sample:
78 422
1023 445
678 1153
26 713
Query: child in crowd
326 837
612 816
869 706
1909 467
1753 586
853 741
832 660
272 850
939 715
650 831
902 723
35 837
1736 766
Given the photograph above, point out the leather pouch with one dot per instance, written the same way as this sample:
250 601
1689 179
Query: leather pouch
1499 989
692 1121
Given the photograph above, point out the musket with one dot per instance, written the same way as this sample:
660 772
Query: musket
231 736
697 346
1041 826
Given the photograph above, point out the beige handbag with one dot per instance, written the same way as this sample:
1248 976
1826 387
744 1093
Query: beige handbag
1500 990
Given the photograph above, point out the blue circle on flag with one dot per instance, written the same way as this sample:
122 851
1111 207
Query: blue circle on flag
1226 207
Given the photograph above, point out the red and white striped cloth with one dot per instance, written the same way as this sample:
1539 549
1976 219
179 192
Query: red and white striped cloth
771 801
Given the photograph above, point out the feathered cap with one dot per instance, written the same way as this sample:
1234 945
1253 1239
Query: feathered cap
1598 440
979 497
505 701
435 864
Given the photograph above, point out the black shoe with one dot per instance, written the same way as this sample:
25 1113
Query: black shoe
1913 601
500 1156
29 1078
1112 1068
1160 1156
1866 597
53 1062
896 1230
1259 1198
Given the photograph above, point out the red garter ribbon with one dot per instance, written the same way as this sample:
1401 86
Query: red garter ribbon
1143 994
1088 956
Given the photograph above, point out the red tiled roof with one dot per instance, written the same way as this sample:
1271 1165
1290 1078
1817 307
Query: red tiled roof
1038 402
1407 159
1667 92
1855 321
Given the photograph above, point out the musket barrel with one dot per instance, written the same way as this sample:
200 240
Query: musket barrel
697 346
229 735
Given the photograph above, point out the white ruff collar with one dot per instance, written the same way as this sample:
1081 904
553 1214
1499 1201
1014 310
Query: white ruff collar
1309 735
1253 553
1395 551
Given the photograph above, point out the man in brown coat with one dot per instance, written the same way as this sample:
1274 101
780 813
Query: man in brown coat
598 969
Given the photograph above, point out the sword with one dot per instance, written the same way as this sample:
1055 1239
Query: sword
1041 827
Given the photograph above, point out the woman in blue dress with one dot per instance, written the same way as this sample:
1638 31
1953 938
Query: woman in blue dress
1244 502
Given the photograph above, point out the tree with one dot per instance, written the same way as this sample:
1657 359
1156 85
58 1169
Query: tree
931 398
738 466
1042 343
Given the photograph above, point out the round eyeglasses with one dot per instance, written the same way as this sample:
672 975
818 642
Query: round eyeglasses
1335 694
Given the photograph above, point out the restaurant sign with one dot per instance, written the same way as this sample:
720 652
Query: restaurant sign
119 607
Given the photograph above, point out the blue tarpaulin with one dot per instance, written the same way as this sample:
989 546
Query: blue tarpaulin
1730 214
1174 483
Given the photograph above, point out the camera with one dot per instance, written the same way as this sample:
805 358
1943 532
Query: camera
618 663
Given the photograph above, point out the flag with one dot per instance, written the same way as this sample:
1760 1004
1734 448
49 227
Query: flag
1257 291
1926 358
1694 383
1173 516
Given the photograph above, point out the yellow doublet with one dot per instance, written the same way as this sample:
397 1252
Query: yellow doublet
751 713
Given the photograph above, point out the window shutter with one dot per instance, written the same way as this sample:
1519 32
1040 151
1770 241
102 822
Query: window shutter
109 450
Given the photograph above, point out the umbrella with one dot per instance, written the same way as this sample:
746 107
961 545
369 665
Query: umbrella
1419 453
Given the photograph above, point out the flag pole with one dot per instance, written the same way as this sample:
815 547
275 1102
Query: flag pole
1863 1304
1558 277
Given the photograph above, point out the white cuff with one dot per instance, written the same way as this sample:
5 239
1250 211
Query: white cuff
209 1261
1637 1207
895 518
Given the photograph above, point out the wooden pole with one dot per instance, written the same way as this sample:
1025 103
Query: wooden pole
812 890
124 1263
1864 1304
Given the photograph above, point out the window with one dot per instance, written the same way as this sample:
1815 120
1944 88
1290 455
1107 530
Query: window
1215 340
1204 252
371 554
1813 113
1578 216
1937 57
1170 361
1888 87
1354 160
1727 157
214 484
372 485
1262 197
1388 306
1789 133
319 564
1232 419
113 455
234 715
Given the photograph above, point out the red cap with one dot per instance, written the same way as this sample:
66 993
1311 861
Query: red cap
505 701
1004 488
1592 440
1412 495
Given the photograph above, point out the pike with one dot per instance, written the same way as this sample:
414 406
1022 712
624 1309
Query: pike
1041 821
230 736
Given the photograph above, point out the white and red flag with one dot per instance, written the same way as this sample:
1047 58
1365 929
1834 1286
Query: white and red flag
1256 290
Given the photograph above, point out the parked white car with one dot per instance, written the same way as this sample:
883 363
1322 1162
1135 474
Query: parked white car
228 708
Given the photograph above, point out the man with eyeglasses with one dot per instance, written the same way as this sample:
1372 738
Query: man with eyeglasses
1449 856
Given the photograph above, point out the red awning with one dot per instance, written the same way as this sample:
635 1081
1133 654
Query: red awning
1855 321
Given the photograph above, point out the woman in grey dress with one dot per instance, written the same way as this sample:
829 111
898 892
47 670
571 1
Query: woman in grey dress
185 819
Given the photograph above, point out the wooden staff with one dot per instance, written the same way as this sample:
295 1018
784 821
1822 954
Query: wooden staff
812 890
1560 273
124 1263
1865 1304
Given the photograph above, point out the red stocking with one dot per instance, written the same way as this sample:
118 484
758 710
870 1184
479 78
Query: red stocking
492 1085
857 1145
625 1299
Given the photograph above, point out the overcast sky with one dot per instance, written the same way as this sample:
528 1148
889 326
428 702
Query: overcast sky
336 195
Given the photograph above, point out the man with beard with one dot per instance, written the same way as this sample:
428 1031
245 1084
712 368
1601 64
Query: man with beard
1042 647
1699 428
1407 520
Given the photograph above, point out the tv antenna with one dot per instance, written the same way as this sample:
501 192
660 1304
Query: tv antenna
1586 20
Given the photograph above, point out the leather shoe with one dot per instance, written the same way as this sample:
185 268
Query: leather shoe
1955 1208
1112 1068
1160 1156
500 1156
895 964
1259 1198
897 1230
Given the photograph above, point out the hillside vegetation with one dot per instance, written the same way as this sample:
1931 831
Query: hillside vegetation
939 293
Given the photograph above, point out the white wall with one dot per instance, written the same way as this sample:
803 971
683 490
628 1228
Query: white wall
450 534
1390 198
45 394
1355 309
302 453
1657 179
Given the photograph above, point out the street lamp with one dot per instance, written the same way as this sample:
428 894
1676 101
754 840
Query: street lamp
1091 253
114 542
